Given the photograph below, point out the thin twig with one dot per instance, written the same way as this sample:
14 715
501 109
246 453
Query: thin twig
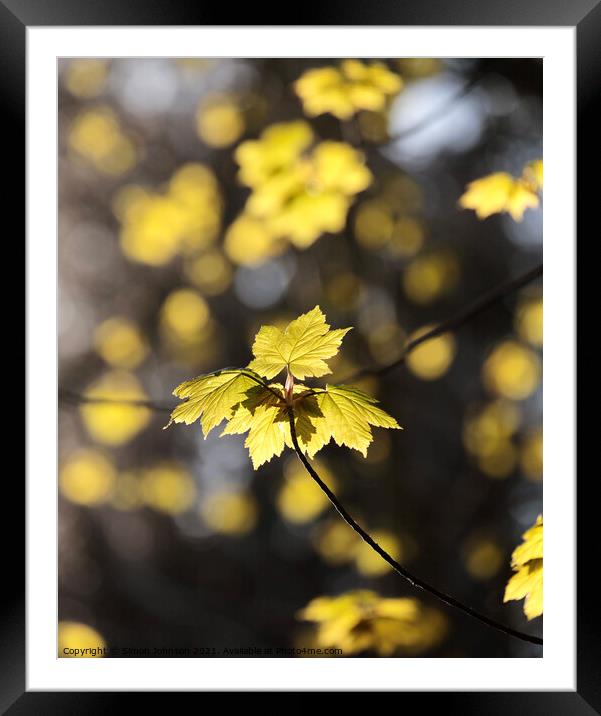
459 319
413 580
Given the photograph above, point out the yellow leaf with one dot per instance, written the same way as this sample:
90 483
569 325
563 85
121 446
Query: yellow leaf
500 192
211 398
267 434
343 91
301 347
250 404
527 562
346 416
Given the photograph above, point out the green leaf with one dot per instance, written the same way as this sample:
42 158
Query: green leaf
302 347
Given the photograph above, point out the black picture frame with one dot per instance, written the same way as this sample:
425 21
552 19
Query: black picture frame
585 15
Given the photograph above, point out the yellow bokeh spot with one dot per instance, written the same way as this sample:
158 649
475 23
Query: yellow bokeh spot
512 371
86 78
96 135
419 67
499 462
79 641
483 559
402 193
368 562
491 427
335 542
300 500
119 342
531 455
185 218
230 513
529 321
185 313
429 277
248 241
373 224
115 423
433 358
168 488
87 477
210 272
187 328
219 121
407 237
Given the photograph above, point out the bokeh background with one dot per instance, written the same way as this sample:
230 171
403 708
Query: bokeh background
170 541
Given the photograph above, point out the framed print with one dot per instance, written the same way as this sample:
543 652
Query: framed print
285 354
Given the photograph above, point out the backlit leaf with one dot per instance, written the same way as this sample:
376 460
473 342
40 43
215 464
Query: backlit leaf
211 398
527 561
302 347
251 405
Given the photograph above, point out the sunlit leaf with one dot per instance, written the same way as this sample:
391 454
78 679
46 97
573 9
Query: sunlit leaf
211 398
346 416
263 410
527 562
302 347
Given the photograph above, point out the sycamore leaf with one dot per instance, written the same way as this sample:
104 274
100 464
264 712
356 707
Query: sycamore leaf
302 347
527 562
250 405
340 412
211 398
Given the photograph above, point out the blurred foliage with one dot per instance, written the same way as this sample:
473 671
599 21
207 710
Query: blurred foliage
362 620
200 199
501 192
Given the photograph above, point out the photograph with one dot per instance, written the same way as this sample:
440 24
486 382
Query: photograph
300 357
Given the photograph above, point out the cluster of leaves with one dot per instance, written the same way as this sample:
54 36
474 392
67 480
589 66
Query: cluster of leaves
246 399
347 89
362 620
527 562
300 188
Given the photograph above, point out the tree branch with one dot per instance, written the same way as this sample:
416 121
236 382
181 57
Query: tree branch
459 319
398 568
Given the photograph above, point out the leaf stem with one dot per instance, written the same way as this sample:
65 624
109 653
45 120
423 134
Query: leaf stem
398 568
